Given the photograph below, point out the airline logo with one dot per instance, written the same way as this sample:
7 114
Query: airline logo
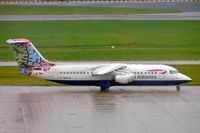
145 77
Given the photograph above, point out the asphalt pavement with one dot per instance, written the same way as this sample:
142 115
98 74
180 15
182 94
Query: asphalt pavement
71 109
180 6
191 11
164 16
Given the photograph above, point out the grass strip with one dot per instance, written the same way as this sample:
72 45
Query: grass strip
92 40
66 10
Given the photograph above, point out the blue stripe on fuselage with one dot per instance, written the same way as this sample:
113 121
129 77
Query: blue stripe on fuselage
141 82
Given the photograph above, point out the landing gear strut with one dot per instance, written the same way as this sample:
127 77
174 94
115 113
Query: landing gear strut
178 88
104 84
103 89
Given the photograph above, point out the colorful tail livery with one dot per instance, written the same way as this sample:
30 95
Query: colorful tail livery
27 56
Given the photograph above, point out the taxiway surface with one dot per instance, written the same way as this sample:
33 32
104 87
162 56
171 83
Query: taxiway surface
191 11
164 16
180 6
71 109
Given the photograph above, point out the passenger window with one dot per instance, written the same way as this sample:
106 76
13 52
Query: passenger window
70 72
60 72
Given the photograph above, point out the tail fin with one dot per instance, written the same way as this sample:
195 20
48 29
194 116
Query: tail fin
27 56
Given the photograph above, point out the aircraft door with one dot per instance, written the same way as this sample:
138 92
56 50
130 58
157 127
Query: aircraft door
161 75
49 74
55 73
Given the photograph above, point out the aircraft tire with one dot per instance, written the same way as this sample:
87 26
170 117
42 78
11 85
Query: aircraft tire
178 88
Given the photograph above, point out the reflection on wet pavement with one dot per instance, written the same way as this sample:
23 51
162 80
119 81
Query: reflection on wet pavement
43 109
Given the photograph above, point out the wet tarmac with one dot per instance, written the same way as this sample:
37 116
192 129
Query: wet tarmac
71 109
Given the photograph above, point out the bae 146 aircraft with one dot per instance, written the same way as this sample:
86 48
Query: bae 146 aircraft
32 63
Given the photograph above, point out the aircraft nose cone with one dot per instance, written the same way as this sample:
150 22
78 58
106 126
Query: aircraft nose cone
186 78
183 78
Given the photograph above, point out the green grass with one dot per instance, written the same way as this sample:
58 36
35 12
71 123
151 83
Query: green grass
92 40
192 71
11 76
65 10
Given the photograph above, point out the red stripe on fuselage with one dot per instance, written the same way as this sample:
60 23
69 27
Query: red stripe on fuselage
156 70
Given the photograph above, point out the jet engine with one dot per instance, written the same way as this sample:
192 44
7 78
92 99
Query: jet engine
124 79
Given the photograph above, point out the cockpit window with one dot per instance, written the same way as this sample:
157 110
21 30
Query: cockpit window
173 71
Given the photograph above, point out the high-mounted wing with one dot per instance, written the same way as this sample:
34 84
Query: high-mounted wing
107 69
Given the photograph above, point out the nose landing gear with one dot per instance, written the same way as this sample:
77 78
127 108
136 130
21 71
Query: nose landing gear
178 88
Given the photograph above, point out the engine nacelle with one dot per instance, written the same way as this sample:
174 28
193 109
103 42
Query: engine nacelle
124 79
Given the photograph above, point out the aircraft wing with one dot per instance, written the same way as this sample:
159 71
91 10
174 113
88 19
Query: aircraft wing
107 69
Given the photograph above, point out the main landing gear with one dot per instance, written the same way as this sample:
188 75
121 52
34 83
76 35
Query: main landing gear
104 84
178 88
104 89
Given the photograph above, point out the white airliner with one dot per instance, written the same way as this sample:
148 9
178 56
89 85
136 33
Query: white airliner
31 62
